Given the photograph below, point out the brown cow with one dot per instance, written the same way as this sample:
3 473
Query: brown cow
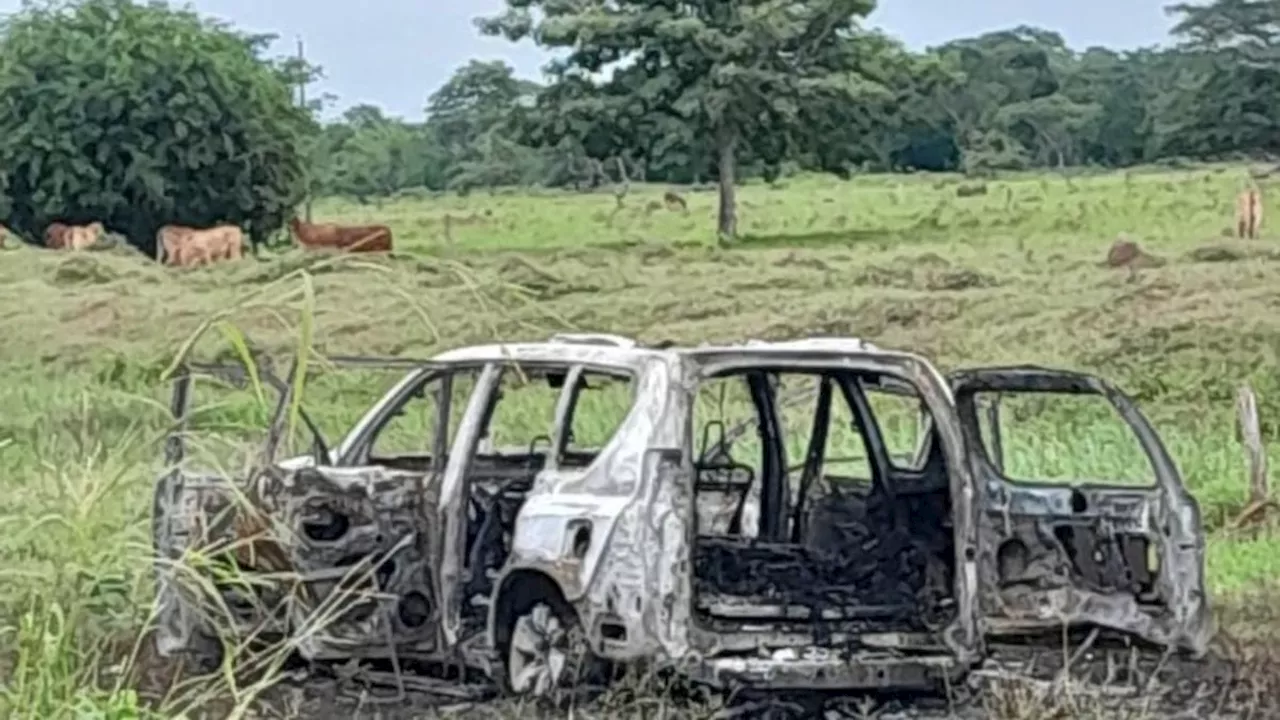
1248 213
55 235
59 236
185 246
351 238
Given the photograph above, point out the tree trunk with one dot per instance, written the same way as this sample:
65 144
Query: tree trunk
727 147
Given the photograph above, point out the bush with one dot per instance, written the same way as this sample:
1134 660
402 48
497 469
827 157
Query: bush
142 115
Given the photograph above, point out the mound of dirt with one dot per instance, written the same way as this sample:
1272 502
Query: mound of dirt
1127 253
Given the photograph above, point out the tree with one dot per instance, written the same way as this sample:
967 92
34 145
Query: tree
1227 87
373 155
733 71
1119 86
1004 110
897 122
476 117
1053 124
143 115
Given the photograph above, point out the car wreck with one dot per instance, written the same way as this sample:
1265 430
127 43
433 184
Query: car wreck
518 545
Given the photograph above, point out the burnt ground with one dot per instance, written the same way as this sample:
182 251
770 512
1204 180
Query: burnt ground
1239 679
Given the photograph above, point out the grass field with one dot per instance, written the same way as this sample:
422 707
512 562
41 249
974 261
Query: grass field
1010 276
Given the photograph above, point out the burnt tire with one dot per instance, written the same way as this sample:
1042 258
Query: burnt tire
546 655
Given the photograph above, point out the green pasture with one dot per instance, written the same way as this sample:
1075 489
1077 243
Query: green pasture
1013 275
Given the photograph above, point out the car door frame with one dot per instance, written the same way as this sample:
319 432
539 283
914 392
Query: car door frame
174 491
456 481
963 637
1165 510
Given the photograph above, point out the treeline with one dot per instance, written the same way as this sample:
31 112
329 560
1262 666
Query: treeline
1014 99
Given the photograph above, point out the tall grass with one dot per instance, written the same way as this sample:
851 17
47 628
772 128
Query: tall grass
1007 277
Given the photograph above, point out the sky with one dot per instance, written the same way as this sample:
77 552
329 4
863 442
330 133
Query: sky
395 53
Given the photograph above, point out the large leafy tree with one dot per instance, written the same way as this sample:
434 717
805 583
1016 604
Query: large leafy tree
477 117
897 123
142 115
372 155
733 71
1224 95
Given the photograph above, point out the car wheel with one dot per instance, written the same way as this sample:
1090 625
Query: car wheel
547 653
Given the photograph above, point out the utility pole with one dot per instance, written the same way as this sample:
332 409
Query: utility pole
302 100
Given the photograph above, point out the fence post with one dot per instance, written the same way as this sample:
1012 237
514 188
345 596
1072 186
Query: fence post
1255 455
1254 452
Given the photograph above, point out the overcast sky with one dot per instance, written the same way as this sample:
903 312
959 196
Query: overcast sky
394 53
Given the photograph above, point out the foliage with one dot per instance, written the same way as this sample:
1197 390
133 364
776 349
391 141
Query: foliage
652 85
738 75
142 115
645 91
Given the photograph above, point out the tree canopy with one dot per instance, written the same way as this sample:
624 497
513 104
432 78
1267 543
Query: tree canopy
142 115
139 115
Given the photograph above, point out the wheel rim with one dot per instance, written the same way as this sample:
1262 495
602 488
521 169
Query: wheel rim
539 654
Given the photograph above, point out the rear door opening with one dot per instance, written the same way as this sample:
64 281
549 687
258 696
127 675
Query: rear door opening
1106 536
816 532
536 420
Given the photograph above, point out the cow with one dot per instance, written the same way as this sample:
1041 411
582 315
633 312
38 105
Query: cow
1248 213
55 235
84 236
60 236
186 246
350 238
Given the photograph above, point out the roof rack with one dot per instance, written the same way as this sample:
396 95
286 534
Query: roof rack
593 339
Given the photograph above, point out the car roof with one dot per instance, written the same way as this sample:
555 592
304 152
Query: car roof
618 351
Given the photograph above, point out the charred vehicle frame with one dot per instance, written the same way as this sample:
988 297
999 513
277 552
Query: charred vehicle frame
649 548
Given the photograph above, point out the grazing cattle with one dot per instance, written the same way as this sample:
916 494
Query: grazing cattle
350 238
168 244
55 235
60 236
84 236
1248 213
185 246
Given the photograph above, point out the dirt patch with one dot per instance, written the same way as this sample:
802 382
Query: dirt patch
1127 253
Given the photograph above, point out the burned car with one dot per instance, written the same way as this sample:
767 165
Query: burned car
561 500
